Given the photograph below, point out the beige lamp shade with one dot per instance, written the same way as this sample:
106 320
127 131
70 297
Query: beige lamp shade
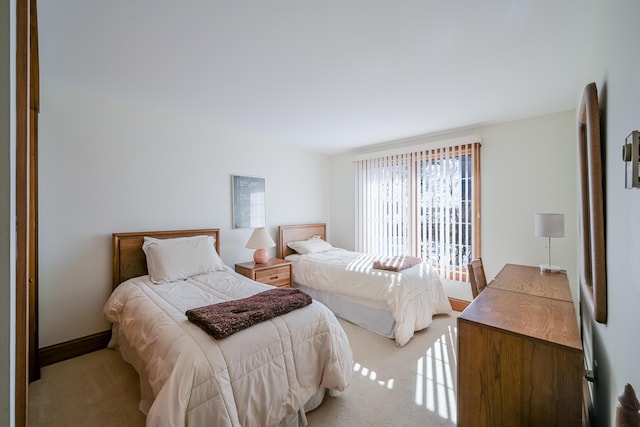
260 241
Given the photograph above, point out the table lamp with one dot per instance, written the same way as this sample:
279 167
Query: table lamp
260 240
549 225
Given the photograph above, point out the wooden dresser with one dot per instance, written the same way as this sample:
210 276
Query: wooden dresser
520 359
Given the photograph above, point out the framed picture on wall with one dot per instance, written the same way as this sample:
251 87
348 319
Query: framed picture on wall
248 194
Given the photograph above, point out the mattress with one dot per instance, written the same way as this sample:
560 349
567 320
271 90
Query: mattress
412 296
262 375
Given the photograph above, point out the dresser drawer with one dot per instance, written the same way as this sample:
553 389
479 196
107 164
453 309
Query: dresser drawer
278 276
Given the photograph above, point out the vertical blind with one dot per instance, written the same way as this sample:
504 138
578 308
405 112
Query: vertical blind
423 202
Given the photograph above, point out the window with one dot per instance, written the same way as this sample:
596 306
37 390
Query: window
423 203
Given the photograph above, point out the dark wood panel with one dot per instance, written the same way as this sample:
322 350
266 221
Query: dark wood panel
22 197
74 348
34 108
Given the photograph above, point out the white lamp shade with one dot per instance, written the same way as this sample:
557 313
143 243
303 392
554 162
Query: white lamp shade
260 239
549 225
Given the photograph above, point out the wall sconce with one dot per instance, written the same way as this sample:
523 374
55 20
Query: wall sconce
631 158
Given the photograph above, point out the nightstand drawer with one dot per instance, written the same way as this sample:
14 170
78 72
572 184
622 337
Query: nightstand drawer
278 276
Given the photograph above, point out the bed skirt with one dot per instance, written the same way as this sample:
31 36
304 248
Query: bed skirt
375 319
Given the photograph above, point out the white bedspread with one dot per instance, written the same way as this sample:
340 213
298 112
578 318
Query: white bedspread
255 377
412 295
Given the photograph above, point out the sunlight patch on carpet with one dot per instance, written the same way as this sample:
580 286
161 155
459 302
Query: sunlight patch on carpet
435 384
367 373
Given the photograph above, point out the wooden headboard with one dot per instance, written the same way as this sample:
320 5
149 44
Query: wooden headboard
291 233
129 259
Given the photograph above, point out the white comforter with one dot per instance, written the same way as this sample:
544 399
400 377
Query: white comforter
412 295
255 377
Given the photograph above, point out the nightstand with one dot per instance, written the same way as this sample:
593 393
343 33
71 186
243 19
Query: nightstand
275 272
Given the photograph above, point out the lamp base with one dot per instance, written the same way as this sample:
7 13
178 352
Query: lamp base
261 256
546 268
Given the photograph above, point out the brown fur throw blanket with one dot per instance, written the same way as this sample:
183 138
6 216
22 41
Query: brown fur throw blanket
396 263
225 318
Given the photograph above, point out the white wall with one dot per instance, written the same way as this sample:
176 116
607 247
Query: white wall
614 65
107 167
7 213
527 166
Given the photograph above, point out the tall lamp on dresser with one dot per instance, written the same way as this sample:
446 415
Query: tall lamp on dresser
549 225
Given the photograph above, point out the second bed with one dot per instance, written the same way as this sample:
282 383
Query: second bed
394 304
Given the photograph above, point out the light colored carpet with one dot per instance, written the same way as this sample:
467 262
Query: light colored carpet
95 389
408 386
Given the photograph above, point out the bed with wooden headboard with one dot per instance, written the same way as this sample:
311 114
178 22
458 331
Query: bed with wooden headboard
359 294
207 381
129 259
295 232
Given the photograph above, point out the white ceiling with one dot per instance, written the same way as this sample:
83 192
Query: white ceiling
329 75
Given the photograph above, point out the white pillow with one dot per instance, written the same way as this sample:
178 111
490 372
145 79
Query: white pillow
169 260
312 245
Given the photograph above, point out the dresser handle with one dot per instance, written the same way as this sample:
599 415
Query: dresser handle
273 277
